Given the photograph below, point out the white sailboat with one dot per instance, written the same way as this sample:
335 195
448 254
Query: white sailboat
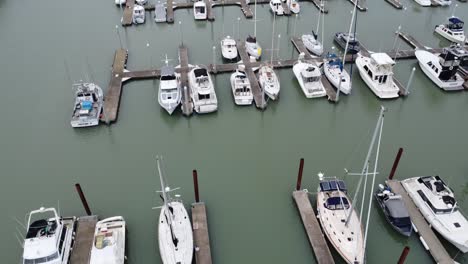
109 242
252 46
241 89
174 228
337 214
267 78
436 201
199 10
377 73
311 41
170 92
333 69
202 91
453 30
49 237
309 77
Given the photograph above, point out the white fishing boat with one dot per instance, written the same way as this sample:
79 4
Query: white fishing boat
88 106
109 241
199 10
276 7
311 41
423 2
49 237
252 47
174 228
138 14
334 71
293 6
202 91
453 30
229 48
309 77
437 203
170 92
269 81
241 89
442 69
377 73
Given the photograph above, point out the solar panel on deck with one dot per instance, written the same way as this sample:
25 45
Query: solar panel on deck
342 185
325 186
333 185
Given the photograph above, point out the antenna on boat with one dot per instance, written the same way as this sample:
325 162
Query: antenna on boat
366 161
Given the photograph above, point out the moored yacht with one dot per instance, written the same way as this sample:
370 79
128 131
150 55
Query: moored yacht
229 48
241 88
170 92
312 44
199 10
333 210
253 47
442 69
452 31
276 7
174 228
293 6
138 16
377 73
269 81
394 209
88 105
333 70
436 201
109 241
49 238
423 2
309 77
353 46
202 91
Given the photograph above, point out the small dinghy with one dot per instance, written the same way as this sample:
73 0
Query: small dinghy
241 88
199 10
333 69
138 14
452 31
423 2
353 46
229 48
394 209
109 242
88 105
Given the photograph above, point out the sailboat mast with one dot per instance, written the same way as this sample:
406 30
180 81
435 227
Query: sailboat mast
273 37
323 20
163 190
366 161
318 21
255 19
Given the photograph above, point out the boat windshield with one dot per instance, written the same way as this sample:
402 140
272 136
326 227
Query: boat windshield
168 78
41 260
455 23
312 79
336 203
200 9
203 96
402 221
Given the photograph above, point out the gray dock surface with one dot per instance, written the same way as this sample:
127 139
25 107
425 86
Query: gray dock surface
320 8
201 238
127 16
312 227
186 103
83 240
114 91
436 249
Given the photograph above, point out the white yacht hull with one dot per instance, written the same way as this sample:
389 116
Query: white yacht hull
312 44
242 98
254 50
423 2
111 251
441 30
316 90
183 252
423 58
276 9
458 238
333 75
271 85
388 92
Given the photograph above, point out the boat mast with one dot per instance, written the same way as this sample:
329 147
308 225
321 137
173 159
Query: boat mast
318 23
322 4
165 196
366 161
273 38
255 20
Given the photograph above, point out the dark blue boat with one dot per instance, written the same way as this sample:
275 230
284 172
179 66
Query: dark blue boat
353 46
394 210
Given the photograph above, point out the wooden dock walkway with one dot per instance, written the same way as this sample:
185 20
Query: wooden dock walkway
395 3
186 103
436 249
312 227
201 238
300 47
114 91
83 239
127 16
411 40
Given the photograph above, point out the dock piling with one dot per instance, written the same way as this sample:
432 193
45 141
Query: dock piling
299 174
83 198
404 254
195 186
395 163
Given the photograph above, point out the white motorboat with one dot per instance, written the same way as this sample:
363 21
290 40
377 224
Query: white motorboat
293 6
170 92
141 2
312 44
333 70
253 47
276 7
394 209
452 31
229 48
241 89
109 241
202 91
49 237
442 69
423 2
120 2
333 208
443 2
138 14
377 73
269 81
88 106
309 77
199 10
436 201
174 228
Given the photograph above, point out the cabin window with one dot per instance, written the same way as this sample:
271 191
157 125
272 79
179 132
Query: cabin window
384 79
448 32
203 96
42 260
370 74
434 209
429 63
366 68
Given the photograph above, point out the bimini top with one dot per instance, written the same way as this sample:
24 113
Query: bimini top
332 185
396 207
382 59
455 23
456 20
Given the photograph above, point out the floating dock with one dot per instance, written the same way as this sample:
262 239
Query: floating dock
201 237
186 103
127 17
84 237
411 40
312 227
114 91
438 252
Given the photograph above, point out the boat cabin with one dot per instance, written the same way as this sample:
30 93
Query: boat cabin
396 211
449 61
311 74
455 24
437 195
242 85
251 39
380 68
168 77
199 8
